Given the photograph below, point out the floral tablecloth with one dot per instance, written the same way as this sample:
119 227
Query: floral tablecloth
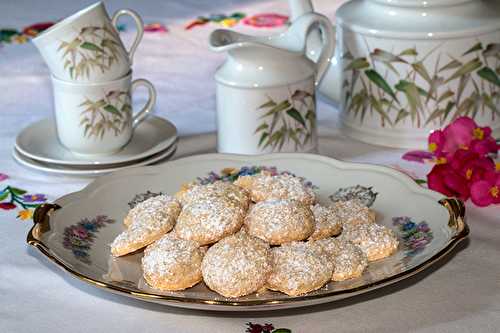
459 294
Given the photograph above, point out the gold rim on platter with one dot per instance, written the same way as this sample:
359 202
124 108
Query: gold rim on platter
455 207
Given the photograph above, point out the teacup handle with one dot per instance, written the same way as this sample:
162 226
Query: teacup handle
150 104
139 25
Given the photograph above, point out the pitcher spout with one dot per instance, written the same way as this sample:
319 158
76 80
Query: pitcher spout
222 40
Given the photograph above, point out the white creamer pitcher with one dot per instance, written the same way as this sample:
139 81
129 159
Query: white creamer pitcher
266 89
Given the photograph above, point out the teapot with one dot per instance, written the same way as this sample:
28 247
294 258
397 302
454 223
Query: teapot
403 68
265 90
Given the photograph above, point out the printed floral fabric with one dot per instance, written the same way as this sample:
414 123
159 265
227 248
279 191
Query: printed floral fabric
265 20
19 200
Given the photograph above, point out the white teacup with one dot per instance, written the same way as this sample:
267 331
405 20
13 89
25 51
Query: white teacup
97 118
86 46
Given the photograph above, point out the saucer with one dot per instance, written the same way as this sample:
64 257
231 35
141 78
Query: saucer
88 171
39 142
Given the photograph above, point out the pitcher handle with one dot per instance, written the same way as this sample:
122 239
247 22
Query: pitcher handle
307 24
327 48
148 108
139 25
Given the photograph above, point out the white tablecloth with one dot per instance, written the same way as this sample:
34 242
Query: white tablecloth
459 294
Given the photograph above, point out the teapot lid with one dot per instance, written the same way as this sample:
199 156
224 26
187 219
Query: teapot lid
419 19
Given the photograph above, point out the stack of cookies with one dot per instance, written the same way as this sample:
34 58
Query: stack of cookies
260 232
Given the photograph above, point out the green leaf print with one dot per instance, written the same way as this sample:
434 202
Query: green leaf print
465 69
278 108
289 120
492 50
451 65
424 92
409 52
91 47
477 47
296 115
489 75
112 109
359 63
380 82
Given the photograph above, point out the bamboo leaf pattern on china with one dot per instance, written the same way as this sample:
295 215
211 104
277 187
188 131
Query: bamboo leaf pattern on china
422 71
380 82
296 115
261 127
277 108
358 64
93 49
424 93
435 115
402 114
111 113
384 56
492 50
465 69
451 65
489 75
409 52
290 120
267 104
477 47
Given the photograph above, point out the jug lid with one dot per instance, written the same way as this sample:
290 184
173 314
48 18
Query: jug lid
263 66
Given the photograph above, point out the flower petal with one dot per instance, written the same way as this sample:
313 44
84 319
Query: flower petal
459 134
417 156
480 193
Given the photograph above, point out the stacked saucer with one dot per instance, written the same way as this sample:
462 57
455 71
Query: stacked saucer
38 147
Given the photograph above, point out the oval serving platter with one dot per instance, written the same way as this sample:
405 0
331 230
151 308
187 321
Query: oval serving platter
75 231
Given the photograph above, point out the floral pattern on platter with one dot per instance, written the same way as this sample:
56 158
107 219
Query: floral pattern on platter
13 197
138 198
440 98
364 194
415 236
231 174
109 113
79 237
93 49
290 119
266 328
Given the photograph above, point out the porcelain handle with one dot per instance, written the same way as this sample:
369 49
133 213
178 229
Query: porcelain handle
139 25
456 209
327 48
150 104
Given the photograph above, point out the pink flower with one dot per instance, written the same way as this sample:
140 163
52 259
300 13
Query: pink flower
3 177
443 178
436 141
471 165
486 145
486 191
465 134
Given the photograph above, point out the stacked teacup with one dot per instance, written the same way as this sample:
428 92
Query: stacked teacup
92 80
